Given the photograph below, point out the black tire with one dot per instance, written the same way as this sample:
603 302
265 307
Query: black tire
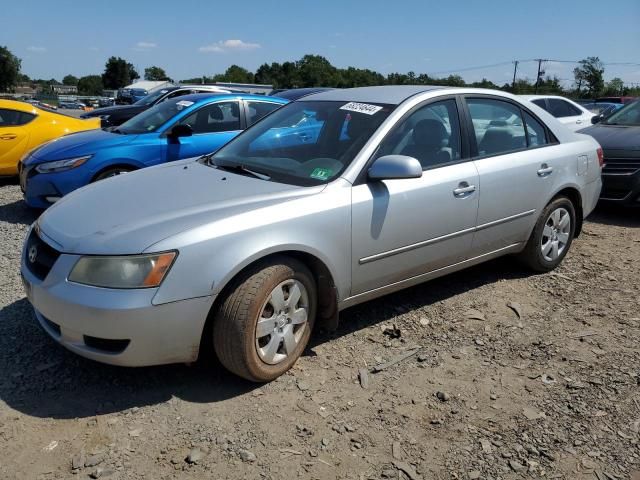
111 172
532 255
236 318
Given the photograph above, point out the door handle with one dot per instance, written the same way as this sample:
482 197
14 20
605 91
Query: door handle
8 136
545 170
463 190
578 121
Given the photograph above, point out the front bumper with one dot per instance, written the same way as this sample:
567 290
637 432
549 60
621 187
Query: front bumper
621 181
119 327
41 190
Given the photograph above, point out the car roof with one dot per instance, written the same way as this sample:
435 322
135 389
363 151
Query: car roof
390 94
205 97
16 105
204 87
296 93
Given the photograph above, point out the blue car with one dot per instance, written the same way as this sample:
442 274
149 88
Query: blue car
183 127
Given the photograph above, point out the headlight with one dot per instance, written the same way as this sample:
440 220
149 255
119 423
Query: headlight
62 165
131 271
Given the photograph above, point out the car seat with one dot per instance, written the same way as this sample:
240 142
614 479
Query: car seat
430 143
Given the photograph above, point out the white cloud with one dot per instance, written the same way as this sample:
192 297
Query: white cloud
229 45
141 46
37 49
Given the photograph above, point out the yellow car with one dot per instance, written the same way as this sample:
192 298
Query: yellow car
24 127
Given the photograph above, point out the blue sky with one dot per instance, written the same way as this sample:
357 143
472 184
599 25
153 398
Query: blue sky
194 37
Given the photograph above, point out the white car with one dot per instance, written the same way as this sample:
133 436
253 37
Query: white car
571 114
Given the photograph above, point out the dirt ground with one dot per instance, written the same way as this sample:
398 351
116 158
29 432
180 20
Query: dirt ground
516 376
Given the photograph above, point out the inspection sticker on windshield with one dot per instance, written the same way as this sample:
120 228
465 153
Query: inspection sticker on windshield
361 108
321 173
183 104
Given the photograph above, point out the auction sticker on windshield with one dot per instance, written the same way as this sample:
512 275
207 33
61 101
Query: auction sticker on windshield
321 173
365 108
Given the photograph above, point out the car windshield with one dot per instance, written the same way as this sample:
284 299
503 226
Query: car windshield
304 143
152 119
152 97
627 115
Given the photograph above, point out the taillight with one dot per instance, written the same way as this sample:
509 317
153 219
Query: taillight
600 157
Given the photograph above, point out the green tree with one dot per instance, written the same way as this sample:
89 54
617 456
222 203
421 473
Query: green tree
118 73
90 85
70 80
316 71
615 86
236 74
155 73
589 74
9 69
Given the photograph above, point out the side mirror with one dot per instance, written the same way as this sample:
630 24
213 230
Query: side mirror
596 119
180 130
394 167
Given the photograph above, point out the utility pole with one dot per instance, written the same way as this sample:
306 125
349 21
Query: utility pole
540 71
515 70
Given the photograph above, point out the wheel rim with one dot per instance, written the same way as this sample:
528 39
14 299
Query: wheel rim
282 322
114 173
555 235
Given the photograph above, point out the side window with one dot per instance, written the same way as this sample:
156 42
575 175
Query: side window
257 110
431 134
541 103
536 133
14 118
560 108
178 93
497 126
215 117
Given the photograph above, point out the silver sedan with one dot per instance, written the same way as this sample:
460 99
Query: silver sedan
332 200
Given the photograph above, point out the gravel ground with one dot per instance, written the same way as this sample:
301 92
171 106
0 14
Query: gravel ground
516 376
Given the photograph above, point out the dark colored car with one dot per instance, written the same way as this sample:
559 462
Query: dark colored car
129 96
294 94
118 114
619 136
616 99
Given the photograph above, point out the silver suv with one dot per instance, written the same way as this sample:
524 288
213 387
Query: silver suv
330 201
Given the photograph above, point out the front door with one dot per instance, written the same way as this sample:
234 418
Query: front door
213 126
403 228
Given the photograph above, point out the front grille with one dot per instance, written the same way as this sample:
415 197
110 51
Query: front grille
105 344
614 193
621 166
40 256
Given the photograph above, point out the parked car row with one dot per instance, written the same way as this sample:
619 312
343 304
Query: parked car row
330 200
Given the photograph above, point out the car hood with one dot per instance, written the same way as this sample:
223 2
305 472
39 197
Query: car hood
77 144
615 137
129 213
115 110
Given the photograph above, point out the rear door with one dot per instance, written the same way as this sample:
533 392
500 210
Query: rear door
14 138
518 164
256 109
213 125
568 114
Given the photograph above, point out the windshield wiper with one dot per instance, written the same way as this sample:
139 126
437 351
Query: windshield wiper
238 168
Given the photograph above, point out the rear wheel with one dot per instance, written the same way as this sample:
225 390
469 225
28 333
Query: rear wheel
265 320
551 237
112 172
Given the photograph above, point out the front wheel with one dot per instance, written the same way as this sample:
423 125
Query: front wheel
551 237
265 320
112 172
